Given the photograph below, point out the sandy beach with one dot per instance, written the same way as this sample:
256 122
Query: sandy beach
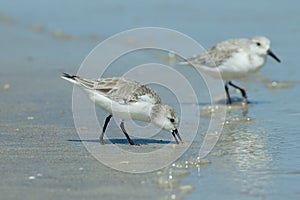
43 157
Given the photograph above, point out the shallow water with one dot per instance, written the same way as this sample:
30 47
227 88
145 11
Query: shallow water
256 157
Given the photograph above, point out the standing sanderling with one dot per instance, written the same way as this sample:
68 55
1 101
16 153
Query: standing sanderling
234 59
128 99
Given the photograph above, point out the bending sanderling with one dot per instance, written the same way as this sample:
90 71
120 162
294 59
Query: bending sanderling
128 99
234 59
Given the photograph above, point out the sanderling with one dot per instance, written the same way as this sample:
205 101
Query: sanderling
128 99
234 59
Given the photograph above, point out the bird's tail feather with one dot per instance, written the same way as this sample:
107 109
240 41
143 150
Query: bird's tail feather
88 84
184 62
69 77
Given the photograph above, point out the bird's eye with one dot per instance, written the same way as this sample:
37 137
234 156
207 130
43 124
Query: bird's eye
258 44
172 120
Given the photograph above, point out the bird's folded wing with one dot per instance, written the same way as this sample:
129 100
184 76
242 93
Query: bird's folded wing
121 90
215 56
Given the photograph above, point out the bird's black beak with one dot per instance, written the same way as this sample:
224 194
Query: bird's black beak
175 133
270 53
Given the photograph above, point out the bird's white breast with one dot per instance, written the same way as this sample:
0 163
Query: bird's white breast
241 65
139 110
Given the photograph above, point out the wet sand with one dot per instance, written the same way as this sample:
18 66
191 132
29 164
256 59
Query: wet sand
39 162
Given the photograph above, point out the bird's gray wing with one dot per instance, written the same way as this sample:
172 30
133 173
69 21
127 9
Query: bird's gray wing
131 91
216 55
121 90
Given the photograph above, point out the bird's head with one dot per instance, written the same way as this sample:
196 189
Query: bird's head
261 46
166 118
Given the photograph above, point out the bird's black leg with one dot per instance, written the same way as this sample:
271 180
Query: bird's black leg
241 89
104 128
126 134
227 93
173 133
